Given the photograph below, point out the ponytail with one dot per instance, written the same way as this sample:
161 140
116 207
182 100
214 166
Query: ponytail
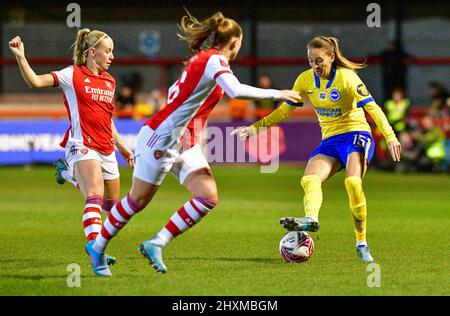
216 30
86 39
331 44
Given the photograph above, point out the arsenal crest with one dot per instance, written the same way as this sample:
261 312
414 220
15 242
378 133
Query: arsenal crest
158 154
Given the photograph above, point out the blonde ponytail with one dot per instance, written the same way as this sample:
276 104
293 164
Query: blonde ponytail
216 30
86 39
331 44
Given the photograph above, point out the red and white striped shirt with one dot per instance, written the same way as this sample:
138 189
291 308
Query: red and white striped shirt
89 101
191 98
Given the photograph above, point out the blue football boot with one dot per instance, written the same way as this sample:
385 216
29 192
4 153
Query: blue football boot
98 260
363 252
153 253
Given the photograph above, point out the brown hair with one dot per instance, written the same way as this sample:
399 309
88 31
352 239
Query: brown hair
216 30
331 44
86 39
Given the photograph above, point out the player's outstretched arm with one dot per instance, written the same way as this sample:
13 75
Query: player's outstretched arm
33 81
395 148
236 90
277 116
381 121
243 132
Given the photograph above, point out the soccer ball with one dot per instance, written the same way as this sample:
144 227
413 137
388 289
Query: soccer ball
296 246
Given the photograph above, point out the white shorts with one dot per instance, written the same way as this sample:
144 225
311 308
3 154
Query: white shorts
152 164
78 152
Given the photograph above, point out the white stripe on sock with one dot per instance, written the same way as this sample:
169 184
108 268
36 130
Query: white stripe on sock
89 215
192 212
201 206
94 228
178 221
127 207
110 228
163 237
93 205
100 243
115 213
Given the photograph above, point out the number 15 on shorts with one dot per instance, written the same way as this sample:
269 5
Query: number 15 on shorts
361 141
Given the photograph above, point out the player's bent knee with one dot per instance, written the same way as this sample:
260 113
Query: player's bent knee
212 200
353 183
209 201
141 199
306 180
354 188
208 194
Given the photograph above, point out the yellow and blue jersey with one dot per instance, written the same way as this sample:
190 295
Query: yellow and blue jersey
338 103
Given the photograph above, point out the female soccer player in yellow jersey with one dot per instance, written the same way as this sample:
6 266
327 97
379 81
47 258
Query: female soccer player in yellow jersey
338 96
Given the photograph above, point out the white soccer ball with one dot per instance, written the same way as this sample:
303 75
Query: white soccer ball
296 246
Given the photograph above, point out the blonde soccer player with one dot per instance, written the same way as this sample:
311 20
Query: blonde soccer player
339 98
89 142
168 142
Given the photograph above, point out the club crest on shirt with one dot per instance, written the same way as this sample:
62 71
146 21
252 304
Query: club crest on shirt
73 150
322 95
362 90
335 95
84 151
158 154
108 84
224 63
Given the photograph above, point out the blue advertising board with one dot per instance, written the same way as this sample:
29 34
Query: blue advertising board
37 141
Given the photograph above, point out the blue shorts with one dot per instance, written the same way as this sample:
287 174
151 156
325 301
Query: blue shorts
342 145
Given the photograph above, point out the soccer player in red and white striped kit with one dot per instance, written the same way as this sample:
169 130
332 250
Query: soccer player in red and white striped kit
88 92
213 42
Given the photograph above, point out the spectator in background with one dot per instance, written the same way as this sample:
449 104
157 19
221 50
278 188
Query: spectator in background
393 68
396 110
157 100
125 102
439 99
148 104
433 142
126 99
411 146
264 107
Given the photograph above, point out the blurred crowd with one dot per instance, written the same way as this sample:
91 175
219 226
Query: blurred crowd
424 134
132 102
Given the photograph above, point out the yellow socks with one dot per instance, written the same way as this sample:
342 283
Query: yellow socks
358 206
312 185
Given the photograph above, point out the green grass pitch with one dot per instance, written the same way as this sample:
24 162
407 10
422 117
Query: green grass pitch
234 250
